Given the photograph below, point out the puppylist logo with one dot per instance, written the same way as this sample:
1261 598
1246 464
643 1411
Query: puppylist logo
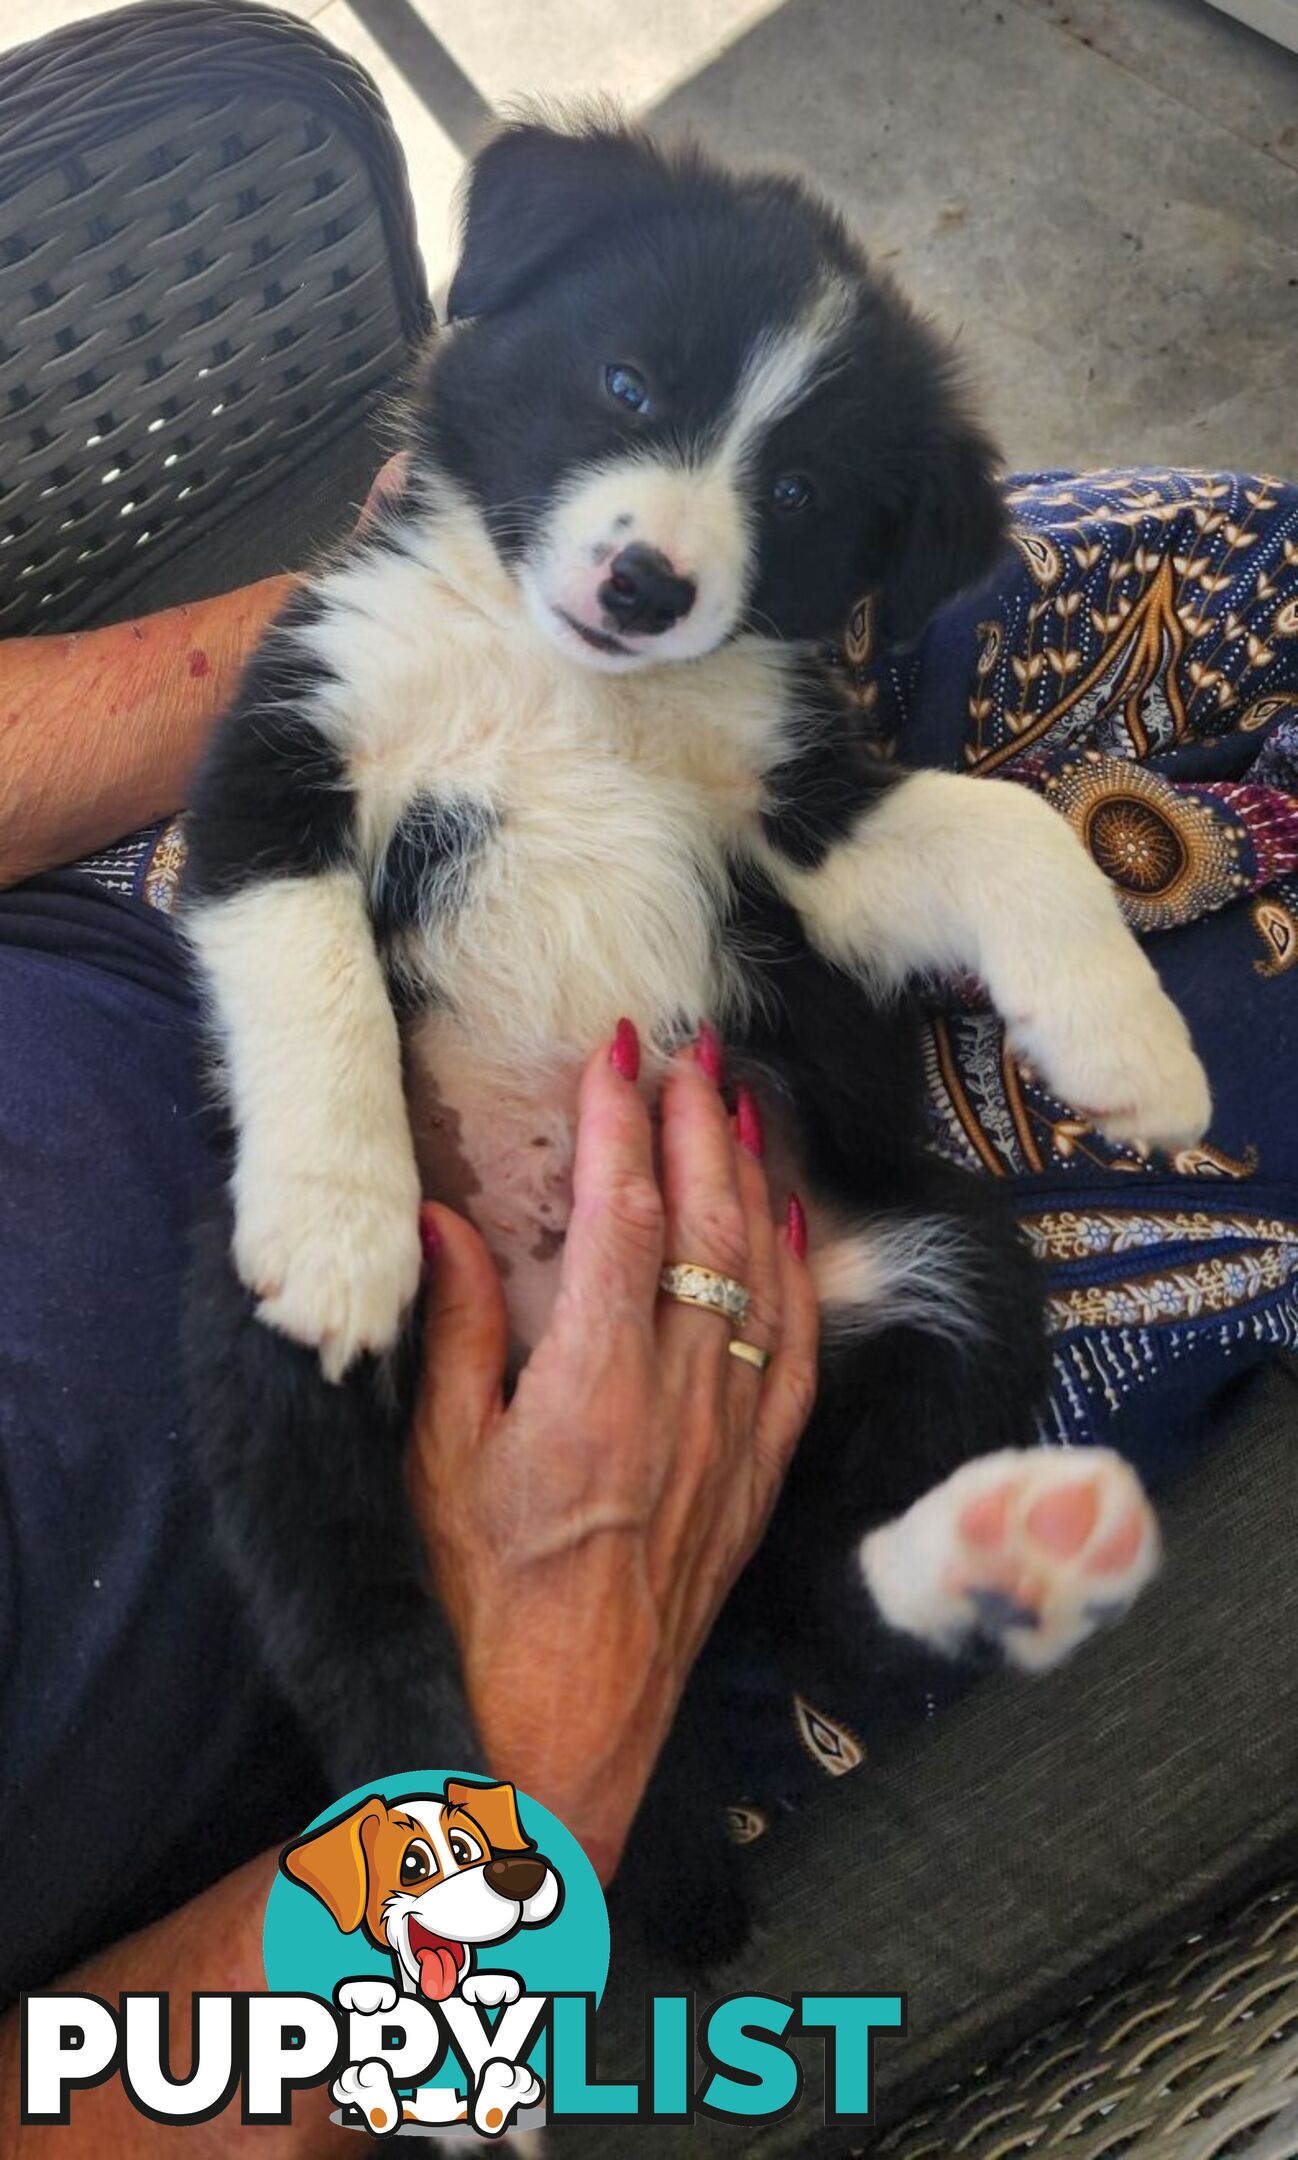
436 1947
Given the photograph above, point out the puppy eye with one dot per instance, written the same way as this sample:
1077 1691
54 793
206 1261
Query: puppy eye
417 1864
463 1849
627 386
792 492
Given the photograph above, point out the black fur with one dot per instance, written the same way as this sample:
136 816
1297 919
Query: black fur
576 250
269 798
432 850
816 797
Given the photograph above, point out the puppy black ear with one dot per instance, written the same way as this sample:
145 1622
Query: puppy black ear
534 194
951 533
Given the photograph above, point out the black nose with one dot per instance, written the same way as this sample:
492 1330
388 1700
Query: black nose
643 593
517 1877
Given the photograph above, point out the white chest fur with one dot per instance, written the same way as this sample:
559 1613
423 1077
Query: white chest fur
613 802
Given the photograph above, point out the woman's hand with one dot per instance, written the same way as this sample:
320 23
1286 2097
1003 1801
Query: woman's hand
585 1536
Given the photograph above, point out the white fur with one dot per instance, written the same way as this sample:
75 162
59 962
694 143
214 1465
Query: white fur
615 798
781 369
920 1569
950 873
618 801
898 1273
325 1187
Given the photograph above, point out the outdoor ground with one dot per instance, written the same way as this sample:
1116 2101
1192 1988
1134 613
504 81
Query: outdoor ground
1099 196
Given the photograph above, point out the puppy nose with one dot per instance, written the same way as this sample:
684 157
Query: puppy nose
642 591
519 1878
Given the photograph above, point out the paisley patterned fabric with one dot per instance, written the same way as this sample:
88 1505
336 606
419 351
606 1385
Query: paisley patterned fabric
1137 663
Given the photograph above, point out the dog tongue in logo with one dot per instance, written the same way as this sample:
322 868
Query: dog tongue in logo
439 1961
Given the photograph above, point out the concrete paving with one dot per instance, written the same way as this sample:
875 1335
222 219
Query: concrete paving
1099 197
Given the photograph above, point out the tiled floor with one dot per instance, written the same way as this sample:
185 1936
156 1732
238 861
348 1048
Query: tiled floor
1099 196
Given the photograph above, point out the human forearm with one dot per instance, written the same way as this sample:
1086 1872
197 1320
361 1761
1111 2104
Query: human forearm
101 728
212 1943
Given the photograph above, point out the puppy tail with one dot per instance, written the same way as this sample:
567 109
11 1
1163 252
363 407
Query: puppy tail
311 1518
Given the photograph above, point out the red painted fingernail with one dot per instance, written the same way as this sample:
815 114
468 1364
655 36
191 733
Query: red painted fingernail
796 1226
430 1237
624 1055
748 1121
711 1056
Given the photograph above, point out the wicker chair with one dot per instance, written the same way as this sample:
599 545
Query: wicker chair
208 286
1193 2058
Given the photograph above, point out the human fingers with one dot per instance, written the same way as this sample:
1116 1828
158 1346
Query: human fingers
788 1391
706 1223
760 1332
614 1245
466 1335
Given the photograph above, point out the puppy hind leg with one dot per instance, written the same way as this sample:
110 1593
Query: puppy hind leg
682 1878
932 1353
311 1518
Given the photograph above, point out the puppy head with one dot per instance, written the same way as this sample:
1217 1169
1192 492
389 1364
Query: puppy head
429 1876
689 409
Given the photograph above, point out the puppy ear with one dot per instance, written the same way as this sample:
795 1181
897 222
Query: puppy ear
494 1808
952 530
331 1863
536 193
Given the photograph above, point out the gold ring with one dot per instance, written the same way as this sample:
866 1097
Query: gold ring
691 1284
749 1353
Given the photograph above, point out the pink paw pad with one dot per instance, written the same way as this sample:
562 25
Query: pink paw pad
1050 1547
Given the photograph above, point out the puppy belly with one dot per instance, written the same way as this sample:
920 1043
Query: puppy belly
500 1153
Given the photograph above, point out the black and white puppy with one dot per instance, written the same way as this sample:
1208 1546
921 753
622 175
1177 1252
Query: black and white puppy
547 746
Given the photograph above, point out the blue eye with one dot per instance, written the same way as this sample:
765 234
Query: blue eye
792 492
627 385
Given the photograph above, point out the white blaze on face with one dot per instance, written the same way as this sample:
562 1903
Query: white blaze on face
690 507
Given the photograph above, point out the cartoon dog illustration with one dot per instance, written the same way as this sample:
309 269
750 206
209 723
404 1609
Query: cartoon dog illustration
431 1878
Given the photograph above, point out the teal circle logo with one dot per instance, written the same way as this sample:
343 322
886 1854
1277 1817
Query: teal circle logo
439 1912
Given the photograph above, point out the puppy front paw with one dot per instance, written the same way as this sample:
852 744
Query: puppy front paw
333 1265
1110 1043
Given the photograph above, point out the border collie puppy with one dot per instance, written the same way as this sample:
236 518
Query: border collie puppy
547 745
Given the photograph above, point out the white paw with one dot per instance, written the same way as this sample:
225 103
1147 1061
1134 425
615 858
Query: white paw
369 1998
491 1988
1110 1043
333 1265
1032 1549
367 2086
503 2088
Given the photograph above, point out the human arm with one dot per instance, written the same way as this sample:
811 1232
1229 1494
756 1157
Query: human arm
584 1537
102 728
213 1944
